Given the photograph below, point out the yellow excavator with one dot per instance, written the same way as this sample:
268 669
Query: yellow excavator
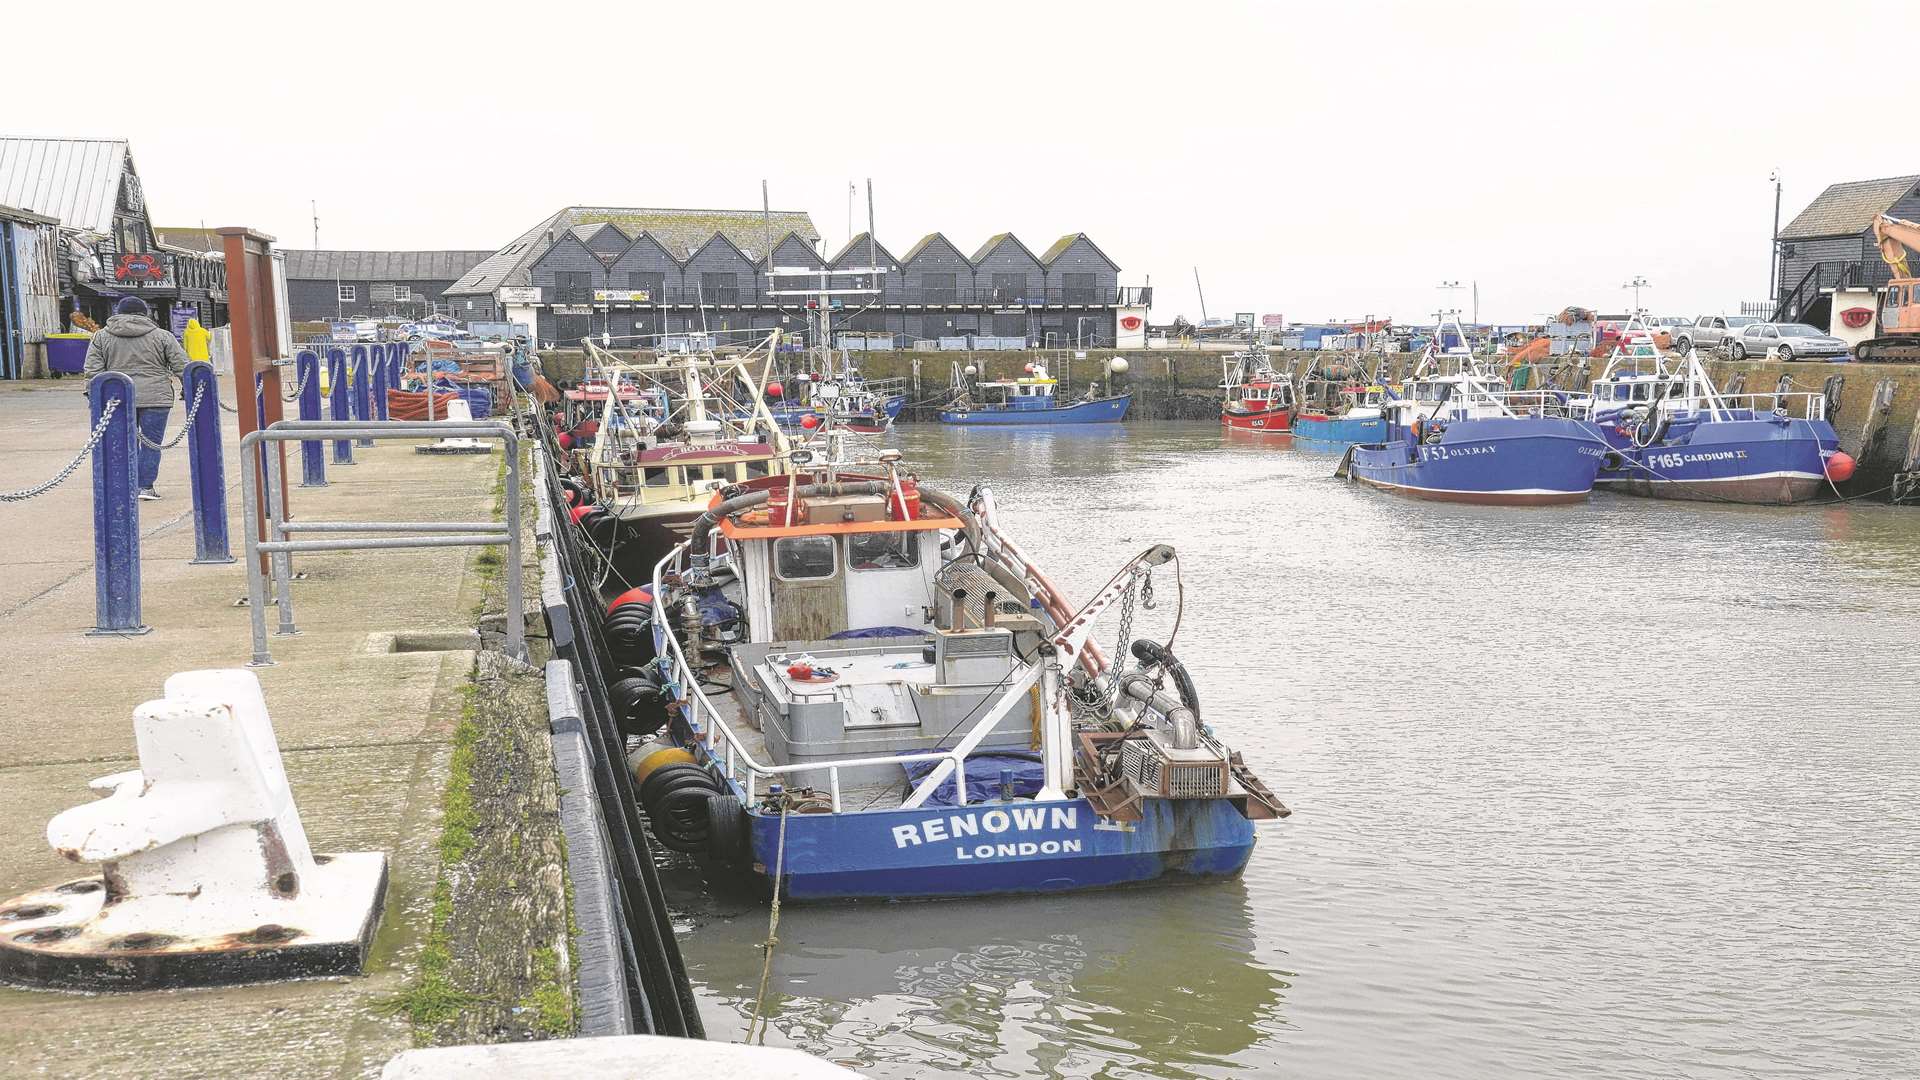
1899 338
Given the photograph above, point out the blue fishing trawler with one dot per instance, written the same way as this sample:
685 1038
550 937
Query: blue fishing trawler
1031 400
1454 438
916 711
1671 435
1358 416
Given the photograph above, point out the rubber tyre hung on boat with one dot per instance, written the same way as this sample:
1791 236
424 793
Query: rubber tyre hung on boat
728 837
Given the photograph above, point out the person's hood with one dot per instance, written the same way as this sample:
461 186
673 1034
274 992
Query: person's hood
194 324
131 326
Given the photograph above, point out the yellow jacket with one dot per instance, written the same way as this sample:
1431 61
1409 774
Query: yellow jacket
197 337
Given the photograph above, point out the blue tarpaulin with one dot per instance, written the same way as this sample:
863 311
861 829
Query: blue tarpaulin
983 776
875 632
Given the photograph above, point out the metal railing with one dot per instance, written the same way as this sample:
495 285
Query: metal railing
280 548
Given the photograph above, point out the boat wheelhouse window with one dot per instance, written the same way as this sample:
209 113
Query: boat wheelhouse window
883 550
1254 393
757 467
799 558
657 477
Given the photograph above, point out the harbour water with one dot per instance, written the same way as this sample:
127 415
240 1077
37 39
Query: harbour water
1621 789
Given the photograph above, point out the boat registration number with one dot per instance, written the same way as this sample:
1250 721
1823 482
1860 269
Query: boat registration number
1675 460
1442 453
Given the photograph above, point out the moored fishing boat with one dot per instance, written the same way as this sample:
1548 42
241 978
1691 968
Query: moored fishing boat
1258 398
670 433
1671 435
1454 439
1357 416
1030 399
916 710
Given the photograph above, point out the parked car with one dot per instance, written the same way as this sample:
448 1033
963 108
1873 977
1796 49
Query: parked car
1711 331
1788 341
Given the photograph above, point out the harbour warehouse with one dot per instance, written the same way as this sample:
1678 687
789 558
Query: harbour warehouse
623 274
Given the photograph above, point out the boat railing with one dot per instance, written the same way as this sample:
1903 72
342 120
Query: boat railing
1794 405
724 748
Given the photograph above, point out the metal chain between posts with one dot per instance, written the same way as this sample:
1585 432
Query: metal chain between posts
99 432
199 396
299 387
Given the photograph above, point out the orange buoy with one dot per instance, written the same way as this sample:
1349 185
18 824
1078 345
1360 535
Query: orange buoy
1840 467
774 389
810 421
637 594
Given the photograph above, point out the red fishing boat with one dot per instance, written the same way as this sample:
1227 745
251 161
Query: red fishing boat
1258 397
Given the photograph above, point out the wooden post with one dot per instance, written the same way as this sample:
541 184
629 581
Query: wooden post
256 343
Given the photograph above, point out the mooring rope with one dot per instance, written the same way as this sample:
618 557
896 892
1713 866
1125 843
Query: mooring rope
773 925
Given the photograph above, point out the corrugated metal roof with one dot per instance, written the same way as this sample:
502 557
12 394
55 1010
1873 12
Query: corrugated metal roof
1849 208
308 265
75 180
681 232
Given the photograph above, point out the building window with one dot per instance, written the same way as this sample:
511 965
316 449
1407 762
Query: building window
469 305
349 293
939 288
651 282
1078 288
1008 288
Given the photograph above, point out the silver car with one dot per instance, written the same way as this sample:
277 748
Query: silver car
1788 341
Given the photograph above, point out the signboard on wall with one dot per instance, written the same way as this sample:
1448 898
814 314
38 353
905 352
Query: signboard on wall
572 309
1243 320
150 268
629 296
1276 322
519 294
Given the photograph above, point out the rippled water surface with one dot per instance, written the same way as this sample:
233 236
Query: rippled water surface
1625 789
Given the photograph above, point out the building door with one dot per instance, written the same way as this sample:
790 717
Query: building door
1078 288
1009 288
569 329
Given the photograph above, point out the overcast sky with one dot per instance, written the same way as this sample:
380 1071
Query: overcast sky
1331 160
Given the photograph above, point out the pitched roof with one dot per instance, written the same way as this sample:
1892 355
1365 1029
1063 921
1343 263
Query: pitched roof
813 259
1848 208
75 180
1061 245
309 265
14 213
995 241
681 232
857 247
927 240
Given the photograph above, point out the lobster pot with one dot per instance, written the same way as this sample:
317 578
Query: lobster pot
1171 773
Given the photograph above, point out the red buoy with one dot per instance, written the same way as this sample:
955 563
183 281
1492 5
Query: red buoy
565 440
639 594
810 421
573 497
1840 467
774 389
579 512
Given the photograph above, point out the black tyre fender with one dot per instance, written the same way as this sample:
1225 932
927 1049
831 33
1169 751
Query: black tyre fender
667 777
729 833
680 819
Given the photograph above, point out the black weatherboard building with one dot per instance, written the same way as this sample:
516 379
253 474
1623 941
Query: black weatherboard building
1830 245
631 274
381 284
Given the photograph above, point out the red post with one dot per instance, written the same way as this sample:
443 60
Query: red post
256 343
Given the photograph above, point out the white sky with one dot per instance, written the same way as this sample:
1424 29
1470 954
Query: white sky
1330 160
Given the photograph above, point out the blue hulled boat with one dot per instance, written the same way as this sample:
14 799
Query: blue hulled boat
1359 417
1454 438
1673 436
984 747
1031 400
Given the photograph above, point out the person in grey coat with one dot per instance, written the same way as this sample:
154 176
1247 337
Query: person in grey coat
134 345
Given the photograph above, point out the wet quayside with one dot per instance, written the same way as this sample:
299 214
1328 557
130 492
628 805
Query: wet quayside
1621 789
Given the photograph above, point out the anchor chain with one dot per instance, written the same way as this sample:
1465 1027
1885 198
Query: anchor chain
99 432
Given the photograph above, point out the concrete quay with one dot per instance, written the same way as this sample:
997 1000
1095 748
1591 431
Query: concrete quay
366 735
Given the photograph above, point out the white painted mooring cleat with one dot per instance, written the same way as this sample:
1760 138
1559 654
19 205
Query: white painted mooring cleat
205 873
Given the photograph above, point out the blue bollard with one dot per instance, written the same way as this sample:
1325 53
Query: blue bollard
337 402
361 399
116 517
313 452
206 465
381 368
